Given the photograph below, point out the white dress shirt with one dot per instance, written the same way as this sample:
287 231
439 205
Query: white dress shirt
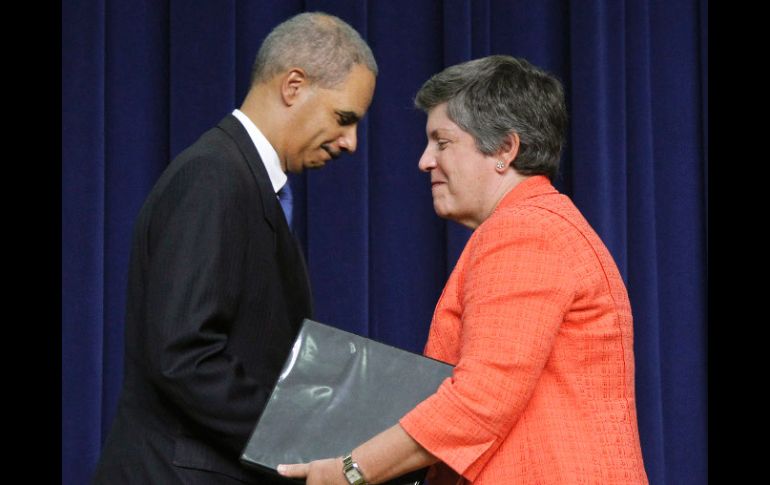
266 151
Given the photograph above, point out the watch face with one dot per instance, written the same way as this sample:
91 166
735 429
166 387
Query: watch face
352 475
351 471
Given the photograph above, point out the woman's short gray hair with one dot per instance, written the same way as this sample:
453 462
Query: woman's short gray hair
323 45
495 96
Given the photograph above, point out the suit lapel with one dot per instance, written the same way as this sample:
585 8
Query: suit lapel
238 133
290 258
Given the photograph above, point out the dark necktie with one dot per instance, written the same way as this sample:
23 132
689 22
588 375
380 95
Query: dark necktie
285 198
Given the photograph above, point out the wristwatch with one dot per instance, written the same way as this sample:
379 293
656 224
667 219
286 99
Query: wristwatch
352 471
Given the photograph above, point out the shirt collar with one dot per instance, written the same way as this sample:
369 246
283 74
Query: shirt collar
266 151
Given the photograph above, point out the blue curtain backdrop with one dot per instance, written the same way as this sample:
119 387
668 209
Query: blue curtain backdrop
142 79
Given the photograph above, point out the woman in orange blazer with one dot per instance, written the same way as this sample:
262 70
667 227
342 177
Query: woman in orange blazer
535 315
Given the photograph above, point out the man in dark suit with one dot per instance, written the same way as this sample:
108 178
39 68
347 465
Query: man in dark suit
217 283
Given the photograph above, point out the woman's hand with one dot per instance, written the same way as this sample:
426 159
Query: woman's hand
319 472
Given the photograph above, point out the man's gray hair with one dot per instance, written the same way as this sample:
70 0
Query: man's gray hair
323 45
495 96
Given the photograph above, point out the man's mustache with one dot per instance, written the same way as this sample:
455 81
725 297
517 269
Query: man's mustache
332 153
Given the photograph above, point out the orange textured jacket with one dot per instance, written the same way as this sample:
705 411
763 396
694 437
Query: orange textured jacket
537 321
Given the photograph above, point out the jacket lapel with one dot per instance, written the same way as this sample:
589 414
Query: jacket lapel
238 133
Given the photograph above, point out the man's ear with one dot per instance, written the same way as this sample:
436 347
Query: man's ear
293 84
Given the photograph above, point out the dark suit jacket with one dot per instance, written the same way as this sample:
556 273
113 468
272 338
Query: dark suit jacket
217 291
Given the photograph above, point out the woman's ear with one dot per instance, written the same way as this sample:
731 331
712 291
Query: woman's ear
508 151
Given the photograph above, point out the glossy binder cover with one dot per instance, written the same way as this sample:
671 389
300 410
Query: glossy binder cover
337 390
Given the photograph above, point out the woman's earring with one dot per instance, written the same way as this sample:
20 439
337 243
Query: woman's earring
500 165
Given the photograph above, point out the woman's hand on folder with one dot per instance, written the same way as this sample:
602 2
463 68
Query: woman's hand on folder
388 455
318 472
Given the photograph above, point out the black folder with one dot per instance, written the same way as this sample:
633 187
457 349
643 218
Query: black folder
336 390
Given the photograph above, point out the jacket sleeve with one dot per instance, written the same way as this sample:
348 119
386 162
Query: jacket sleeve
197 239
514 292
